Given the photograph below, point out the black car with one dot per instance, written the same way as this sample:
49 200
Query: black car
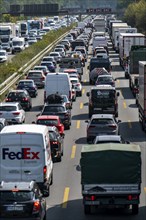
56 142
21 96
60 110
29 85
21 200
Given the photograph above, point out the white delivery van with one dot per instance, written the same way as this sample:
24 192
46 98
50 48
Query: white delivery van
57 83
25 155
18 44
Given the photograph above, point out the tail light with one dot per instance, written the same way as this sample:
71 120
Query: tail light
25 99
7 99
132 197
70 95
16 113
66 115
45 171
90 198
112 126
44 96
54 142
42 78
36 206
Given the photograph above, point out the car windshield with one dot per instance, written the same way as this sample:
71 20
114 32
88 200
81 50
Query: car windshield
19 196
47 122
2 53
7 108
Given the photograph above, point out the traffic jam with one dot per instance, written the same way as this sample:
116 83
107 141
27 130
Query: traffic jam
69 134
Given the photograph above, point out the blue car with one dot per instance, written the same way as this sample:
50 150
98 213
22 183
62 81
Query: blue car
50 65
28 85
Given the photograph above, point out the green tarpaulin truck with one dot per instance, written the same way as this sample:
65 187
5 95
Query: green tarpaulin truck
111 176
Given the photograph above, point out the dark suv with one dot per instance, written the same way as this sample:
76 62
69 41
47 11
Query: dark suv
60 110
21 96
21 200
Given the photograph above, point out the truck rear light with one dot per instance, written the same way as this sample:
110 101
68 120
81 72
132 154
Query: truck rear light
90 198
16 113
132 197
7 99
36 206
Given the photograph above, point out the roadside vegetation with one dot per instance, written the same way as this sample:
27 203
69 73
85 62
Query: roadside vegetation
20 59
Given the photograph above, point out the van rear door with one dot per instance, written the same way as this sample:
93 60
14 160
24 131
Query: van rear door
10 154
22 157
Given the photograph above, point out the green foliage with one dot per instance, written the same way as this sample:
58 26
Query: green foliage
7 69
135 15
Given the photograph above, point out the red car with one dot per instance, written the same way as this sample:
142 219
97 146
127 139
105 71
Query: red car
51 120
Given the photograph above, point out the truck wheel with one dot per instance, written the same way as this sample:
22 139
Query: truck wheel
135 209
87 209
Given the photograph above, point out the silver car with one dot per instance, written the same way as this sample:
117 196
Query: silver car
101 124
12 112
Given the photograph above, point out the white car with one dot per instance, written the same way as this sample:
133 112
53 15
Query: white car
12 112
60 50
77 85
56 56
3 56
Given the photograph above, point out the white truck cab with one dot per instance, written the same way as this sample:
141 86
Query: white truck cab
18 44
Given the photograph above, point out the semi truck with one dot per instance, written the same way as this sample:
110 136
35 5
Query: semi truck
111 176
126 40
99 23
137 53
142 94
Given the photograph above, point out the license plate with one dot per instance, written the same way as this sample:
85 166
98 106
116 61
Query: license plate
15 208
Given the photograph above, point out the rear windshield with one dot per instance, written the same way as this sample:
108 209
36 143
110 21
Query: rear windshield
16 95
7 108
36 75
103 94
54 109
25 84
47 122
102 121
19 196
100 63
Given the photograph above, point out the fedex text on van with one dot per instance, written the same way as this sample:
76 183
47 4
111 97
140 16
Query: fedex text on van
24 153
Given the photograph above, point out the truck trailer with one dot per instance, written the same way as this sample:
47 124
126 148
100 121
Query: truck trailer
111 176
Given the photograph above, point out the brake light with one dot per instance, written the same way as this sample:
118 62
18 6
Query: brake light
16 113
45 170
8 99
112 126
92 198
25 99
132 197
54 142
36 206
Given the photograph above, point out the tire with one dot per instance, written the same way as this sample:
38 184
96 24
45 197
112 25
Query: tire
51 182
46 190
59 159
87 209
135 209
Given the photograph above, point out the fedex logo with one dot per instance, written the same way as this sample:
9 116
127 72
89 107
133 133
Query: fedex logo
24 153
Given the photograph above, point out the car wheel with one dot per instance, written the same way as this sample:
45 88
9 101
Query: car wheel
59 159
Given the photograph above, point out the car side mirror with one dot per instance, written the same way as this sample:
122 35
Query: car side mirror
88 94
86 121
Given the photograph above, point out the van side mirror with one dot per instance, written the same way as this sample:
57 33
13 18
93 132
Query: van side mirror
118 93
88 94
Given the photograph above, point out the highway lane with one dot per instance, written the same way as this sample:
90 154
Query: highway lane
65 201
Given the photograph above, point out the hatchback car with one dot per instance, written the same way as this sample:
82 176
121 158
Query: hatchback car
101 124
59 110
21 96
12 112
105 80
56 56
56 142
44 68
51 120
49 64
77 85
3 56
29 85
38 77
21 200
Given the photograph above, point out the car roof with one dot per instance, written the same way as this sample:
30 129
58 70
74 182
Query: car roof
47 117
116 138
102 116
9 103
27 186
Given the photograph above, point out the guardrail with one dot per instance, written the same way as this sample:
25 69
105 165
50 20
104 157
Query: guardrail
9 82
